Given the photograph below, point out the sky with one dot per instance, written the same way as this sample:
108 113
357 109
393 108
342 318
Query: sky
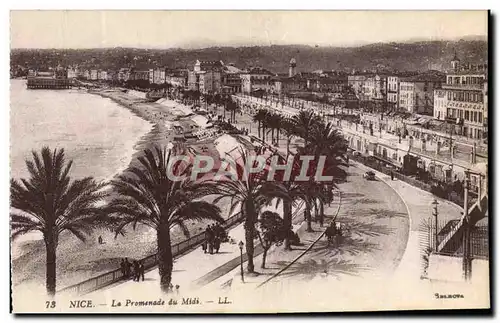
167 29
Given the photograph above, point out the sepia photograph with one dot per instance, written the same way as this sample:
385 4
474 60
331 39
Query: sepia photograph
300 161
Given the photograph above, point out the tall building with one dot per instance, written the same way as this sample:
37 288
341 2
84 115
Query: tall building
440 104
416 93
293 68
206 76
455 63
466 94
375 87
256 78
393 81
356 81
231 80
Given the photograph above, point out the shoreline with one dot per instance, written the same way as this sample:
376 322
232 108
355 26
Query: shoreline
158 134
77 261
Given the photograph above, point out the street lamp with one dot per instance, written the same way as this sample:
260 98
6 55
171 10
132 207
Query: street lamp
241 259
435 213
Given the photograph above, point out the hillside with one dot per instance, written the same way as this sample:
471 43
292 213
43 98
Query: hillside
419 55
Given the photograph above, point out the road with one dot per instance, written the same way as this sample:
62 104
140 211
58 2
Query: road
377 227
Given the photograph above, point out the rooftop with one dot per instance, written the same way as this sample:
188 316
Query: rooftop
430 76
232 69
259 70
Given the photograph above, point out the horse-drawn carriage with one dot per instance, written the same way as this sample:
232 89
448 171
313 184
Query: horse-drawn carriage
334 233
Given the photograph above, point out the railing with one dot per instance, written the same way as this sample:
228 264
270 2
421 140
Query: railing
387 171
149 262
479 242
450 240
404 178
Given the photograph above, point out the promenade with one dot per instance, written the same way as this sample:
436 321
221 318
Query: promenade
386 248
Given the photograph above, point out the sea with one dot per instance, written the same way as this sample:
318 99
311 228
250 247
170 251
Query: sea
97 134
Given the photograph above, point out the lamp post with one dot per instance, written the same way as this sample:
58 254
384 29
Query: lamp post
241 260
466 240
435 213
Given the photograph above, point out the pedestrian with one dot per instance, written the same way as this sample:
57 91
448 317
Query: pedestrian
177 289
204 246
216 244
127 268
136 270
141 271
210 238
392 175
122 267
170 287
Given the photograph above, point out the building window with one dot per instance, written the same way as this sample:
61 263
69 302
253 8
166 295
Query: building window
466 115
480 117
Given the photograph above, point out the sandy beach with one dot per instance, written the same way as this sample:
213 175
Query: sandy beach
76 260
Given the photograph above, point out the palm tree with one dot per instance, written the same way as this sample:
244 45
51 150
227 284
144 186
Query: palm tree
288 128
259 117
51 203
321 193
250 193
274 121
303 123
293 192
326 141
148 195
232 107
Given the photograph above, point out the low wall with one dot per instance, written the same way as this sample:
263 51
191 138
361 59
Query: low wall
445 268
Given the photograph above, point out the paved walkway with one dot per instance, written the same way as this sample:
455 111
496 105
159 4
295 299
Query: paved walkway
187 268
192 270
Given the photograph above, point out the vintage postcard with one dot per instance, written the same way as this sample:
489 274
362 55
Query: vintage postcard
248 161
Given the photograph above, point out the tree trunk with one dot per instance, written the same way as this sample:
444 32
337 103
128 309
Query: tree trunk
316 211
287 219
164 255
308 217
321 213
249 234
50 274
264 255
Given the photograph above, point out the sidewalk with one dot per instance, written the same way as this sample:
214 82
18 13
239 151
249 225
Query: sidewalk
191 270
186 268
